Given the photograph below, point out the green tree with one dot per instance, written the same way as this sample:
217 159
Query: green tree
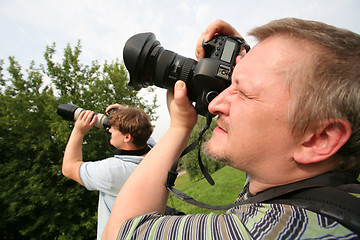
36 201
190 160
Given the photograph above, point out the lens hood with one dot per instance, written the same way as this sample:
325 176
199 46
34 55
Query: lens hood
135 56
66 111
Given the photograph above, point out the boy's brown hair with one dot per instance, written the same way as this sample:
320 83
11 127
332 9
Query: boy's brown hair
134 121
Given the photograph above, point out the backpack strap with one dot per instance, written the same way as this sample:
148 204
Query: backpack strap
327 179
326 194
330 202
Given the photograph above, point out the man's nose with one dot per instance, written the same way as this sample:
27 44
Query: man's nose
220 103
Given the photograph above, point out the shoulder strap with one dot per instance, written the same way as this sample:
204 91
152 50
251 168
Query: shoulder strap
330 202
318 194
328 179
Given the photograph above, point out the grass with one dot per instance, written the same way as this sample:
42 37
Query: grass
228 184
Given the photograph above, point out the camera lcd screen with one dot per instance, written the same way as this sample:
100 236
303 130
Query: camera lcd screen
228 51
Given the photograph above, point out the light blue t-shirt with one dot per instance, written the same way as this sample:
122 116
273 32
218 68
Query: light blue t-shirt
108 176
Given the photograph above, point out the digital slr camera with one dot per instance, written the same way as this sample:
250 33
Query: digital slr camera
150 64
71 112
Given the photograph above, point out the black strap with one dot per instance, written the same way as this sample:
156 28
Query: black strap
138 152
328 179
318 194
172 174
330 202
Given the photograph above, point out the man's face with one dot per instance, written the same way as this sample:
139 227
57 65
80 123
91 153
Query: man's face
117 138
253 132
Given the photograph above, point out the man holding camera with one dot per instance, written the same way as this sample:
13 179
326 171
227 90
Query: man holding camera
290 119
130 135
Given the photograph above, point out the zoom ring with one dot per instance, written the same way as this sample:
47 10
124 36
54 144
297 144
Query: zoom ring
186 69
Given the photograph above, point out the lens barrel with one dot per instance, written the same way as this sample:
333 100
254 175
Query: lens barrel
71 112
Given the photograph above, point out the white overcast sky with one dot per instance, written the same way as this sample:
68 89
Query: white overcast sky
28 26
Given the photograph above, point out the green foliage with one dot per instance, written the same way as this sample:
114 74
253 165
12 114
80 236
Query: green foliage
36 201
190 160
228 184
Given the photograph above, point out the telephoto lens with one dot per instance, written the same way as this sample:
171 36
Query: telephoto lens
150 64
71 112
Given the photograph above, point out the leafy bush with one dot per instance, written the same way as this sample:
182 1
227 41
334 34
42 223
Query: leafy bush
36 201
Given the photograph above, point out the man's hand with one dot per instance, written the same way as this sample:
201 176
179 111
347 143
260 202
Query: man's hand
114 106
183 115
216 27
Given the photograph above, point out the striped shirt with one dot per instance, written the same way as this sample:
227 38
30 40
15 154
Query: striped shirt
250 221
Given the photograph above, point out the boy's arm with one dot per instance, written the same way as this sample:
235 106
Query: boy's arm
73 154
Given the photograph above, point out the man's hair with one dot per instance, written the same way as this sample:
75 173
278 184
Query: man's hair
134 121
327 86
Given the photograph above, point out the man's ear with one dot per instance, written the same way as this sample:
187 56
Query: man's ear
323 142
128 138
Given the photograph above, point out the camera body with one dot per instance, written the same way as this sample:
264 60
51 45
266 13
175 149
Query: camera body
150 64
71 112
